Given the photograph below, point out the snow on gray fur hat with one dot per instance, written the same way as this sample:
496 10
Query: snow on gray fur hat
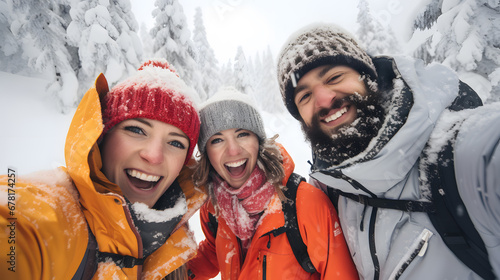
227 109
313 46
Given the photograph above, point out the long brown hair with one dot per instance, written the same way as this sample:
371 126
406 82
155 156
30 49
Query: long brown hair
269 160
179 274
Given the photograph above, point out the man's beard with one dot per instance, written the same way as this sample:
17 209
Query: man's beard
350 139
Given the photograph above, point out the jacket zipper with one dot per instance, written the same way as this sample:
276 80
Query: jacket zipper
373 248
137 235
418 248
264 266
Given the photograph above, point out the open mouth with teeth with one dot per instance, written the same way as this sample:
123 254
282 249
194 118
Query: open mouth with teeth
142 180
336 115
236 168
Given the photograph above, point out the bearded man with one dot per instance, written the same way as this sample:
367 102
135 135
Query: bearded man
378 128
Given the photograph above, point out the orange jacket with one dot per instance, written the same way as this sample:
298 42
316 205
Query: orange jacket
270 256
54 210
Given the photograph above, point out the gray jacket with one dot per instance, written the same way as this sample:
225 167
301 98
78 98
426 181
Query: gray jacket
405 245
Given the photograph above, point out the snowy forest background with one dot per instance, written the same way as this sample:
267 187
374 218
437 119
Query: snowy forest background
69 42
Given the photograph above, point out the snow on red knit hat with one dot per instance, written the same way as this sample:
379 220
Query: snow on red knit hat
155 92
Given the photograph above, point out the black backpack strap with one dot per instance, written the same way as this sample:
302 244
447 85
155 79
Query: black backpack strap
467 98
213 224
121 261
88 266
292 226
373 200
451 219
334 197
377 202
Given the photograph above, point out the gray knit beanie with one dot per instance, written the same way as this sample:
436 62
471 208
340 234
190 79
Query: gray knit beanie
313 46
227 109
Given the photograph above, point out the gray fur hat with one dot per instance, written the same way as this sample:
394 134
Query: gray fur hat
227 109
313 46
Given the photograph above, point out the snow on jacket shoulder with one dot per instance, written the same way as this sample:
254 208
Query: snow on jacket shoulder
53 218
44 221
477 169
270 255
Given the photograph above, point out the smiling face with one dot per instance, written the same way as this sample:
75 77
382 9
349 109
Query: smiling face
323 93
233 154
340 115
143 157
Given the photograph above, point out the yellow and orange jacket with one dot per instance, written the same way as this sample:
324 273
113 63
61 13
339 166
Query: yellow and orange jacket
52 212
270 255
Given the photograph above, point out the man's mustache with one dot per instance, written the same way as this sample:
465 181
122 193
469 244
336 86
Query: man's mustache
338 103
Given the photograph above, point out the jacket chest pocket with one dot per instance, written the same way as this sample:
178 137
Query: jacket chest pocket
416 250
278 266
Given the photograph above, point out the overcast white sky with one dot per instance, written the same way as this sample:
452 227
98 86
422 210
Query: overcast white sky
256 24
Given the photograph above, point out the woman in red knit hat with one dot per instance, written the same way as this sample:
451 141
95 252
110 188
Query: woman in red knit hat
118 210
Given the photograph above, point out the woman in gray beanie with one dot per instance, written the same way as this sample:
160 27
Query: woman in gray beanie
246 222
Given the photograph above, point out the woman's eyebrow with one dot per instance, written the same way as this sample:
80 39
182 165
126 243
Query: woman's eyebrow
144 122
179 134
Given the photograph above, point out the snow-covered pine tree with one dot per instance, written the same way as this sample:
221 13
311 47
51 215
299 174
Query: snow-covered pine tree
427 18
257 82
205 57
147 41
242 73
269 84
425 21
227 74
250 69
265 83
172 41
467 39
105 35
42 30
372 35
11 59
128 39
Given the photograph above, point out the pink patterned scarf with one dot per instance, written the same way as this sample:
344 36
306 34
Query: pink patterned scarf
242 208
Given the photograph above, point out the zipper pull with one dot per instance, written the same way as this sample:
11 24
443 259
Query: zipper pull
425 239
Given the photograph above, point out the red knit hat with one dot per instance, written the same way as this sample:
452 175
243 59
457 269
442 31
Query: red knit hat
155 92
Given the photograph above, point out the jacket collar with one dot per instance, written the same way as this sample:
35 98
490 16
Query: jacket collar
288 164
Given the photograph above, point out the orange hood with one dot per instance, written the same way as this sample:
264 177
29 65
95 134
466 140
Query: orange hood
103 205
